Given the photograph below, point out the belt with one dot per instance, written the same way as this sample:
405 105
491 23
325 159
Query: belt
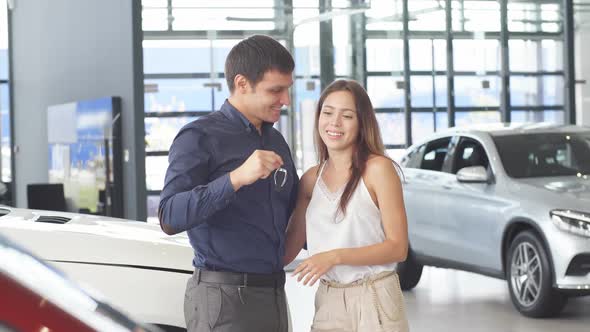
274 280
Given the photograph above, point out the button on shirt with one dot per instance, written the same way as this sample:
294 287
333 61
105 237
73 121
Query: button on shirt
241 231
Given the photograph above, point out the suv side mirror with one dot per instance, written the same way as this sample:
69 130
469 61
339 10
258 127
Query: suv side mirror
473 174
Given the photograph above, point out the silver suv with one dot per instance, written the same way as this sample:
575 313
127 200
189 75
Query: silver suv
507 201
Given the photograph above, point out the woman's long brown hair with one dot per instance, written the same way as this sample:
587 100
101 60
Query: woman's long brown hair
368 140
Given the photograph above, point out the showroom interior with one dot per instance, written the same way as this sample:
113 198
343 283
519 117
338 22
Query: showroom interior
156 65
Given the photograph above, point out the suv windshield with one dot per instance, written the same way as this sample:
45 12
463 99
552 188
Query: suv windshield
542 154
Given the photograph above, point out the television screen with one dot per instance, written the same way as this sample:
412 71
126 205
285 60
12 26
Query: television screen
85 154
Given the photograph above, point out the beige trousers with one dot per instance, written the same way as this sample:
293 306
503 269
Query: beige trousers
375 304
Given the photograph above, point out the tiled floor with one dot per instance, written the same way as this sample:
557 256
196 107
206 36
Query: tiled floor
448 300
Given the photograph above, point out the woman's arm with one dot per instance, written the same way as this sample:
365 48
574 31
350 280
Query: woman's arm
385 188
296 236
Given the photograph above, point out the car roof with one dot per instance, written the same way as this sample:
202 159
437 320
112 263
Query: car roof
503 129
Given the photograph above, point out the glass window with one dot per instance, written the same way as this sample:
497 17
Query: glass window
283 126
154 19
533 17
536 91
306 38
154 3
527 55
342 46
435 153
420 54
176 56
422 125
551 14
478 91
385 55
440 54
185 56
481 15
178 95
385 92
469 153
552 58
155 171
554 116
153 203
393 128
458 22
307 60
427 15
5 148
3 40
442 121
473 117
307 94
440 86
547 154
223 15
395 154
384 15
524 55
159 132
553 90
3 63
478 55
421 89
522 16
413 159
524 91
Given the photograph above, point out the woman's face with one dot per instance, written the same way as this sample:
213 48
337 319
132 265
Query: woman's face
338 122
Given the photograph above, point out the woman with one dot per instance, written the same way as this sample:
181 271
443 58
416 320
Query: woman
350 209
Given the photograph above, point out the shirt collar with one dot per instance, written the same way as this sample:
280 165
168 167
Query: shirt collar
237 117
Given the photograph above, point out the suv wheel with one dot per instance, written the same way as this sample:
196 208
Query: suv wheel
530 278
409 272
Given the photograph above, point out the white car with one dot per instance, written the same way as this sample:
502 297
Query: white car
507 201
137 267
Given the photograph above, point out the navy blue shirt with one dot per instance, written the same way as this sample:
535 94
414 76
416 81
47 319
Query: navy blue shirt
242 231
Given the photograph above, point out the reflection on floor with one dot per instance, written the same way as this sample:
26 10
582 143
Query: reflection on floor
449 300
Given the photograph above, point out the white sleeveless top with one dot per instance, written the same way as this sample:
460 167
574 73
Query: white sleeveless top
361 226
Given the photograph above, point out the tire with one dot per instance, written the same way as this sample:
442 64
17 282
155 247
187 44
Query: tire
530 278
409 272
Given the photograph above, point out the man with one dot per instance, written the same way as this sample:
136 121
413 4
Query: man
231 184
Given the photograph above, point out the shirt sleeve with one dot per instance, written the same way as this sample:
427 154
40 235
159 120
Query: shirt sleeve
188 198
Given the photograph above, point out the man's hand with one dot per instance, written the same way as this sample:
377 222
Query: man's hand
259 165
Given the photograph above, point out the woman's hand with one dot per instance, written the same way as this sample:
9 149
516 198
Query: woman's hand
315 266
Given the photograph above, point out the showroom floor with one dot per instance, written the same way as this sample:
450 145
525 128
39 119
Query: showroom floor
449 300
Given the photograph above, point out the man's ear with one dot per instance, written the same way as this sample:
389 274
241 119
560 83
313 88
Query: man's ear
241 84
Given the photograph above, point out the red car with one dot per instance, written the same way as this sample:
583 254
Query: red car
37 297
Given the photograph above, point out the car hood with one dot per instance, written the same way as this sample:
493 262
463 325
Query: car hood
572 187
97 240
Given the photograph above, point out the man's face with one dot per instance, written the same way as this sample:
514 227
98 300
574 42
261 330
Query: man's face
264 101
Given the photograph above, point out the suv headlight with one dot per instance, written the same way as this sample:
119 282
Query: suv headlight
571 221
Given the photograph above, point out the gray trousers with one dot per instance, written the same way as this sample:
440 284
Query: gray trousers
212 307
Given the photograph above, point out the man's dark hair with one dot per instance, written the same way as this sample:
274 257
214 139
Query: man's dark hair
254 56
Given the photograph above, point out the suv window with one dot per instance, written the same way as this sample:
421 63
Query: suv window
469 152
544 154
435 153
414 157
